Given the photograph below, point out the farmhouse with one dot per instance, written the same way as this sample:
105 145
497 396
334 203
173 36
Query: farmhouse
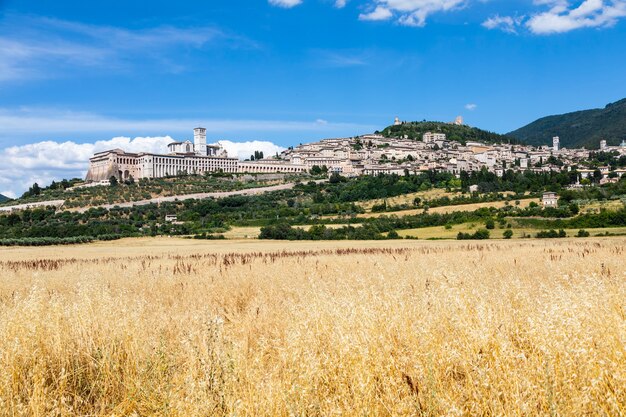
550 199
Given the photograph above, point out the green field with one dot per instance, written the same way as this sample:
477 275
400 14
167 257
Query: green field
441 232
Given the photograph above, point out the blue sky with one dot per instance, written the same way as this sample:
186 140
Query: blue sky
289 71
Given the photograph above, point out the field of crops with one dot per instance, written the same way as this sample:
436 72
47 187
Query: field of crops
174 327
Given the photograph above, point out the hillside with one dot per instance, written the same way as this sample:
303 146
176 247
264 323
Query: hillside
582 128
3 198
458 133
327 205
145 189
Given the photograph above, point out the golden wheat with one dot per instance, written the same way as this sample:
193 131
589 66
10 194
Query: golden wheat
526 328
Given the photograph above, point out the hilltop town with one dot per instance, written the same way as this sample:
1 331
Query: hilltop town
196 189
369 154
374 154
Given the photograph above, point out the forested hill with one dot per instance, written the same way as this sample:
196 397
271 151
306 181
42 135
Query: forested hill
3 198
458 133
582 128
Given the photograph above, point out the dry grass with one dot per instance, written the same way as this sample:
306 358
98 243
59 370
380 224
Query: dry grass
596 206
440 232
251 232
183 328
444 209
431 194
475 206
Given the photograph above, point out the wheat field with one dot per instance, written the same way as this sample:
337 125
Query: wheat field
185 328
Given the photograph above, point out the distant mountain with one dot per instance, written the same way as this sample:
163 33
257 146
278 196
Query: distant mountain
3 198
582 128
458 133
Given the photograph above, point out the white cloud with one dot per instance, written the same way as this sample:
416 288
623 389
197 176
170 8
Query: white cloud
47 160
285 3
37 47
563 17
407 12
341 58
504 23
379 13
410 12
35 122
243 150
43 162
471 106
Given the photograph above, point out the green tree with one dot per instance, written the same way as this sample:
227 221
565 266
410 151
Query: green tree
32 191
393 235
335 178
597 175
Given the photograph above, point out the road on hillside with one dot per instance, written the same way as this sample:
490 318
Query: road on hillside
36 204
199 196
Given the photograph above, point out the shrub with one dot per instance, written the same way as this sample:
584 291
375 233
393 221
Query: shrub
551 234
393 235
508 233
46 241
378 208
480 234
205 236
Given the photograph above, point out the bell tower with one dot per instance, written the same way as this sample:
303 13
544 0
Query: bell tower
199 141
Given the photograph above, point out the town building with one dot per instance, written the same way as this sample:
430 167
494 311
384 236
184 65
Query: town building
430 137
125 165
369 154
602 145
183 158
550 199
